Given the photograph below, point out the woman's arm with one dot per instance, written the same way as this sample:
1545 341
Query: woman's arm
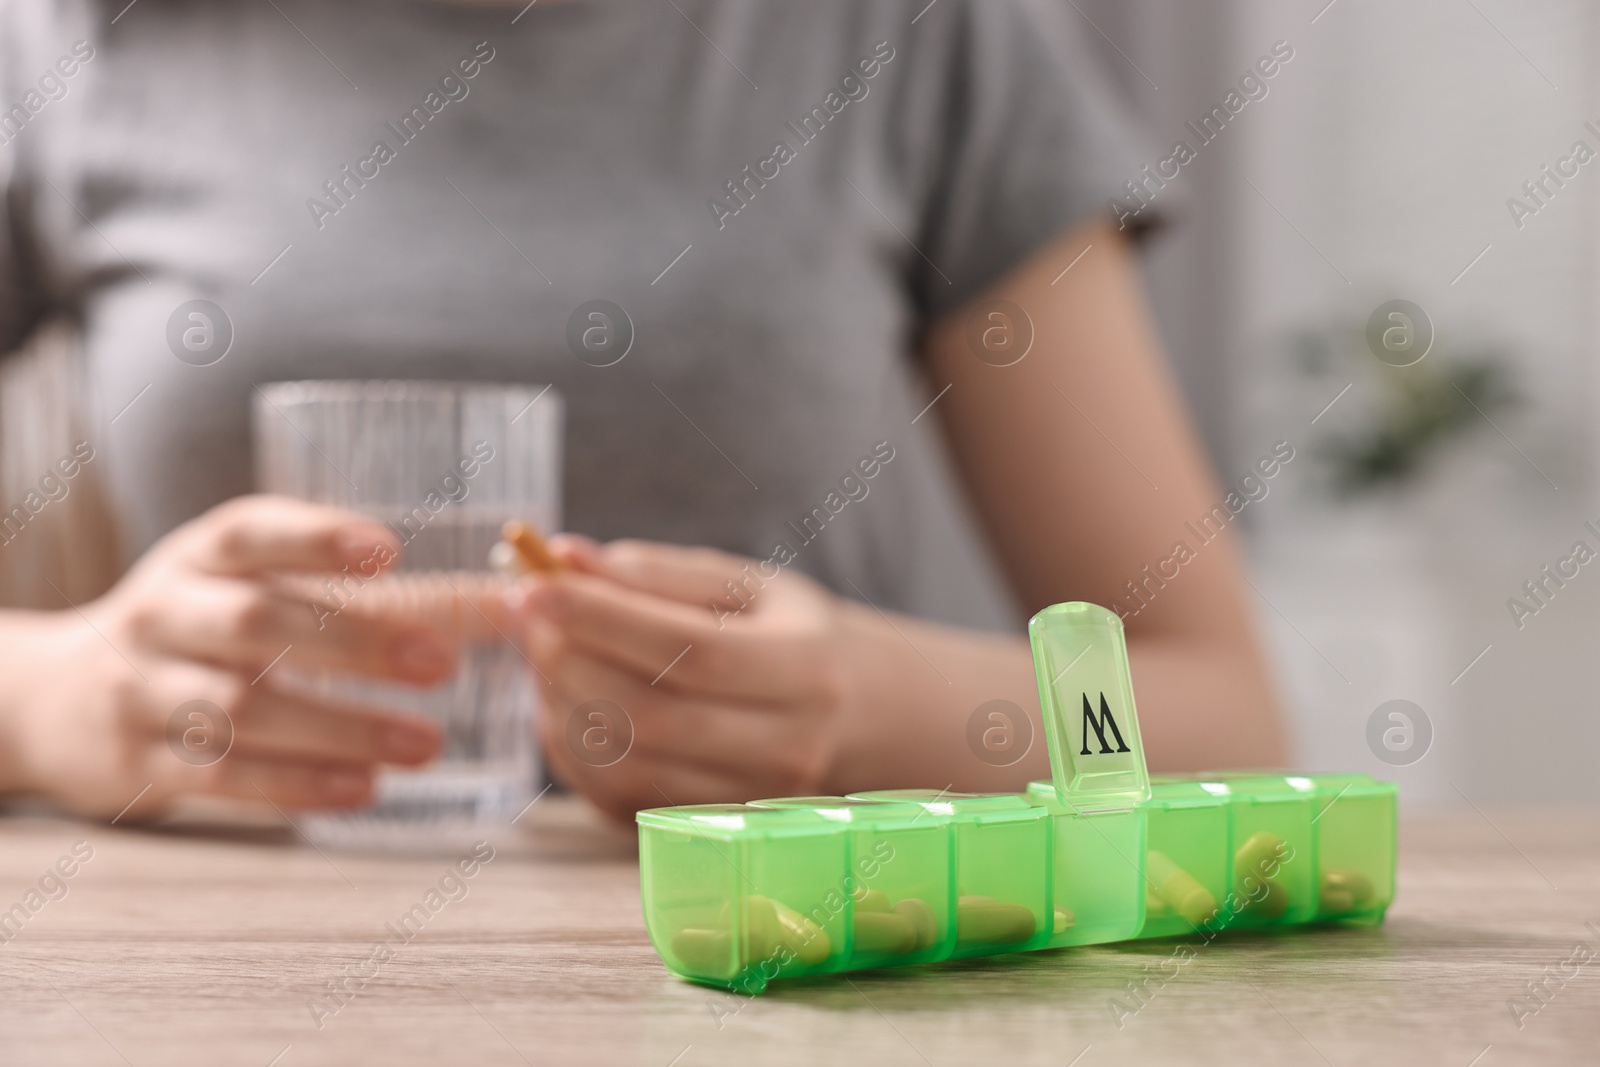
1084 469
801 691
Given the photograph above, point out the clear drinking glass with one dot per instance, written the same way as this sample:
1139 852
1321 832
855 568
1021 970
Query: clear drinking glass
444 465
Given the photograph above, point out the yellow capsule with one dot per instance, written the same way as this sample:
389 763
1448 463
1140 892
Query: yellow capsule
920 916
1358 885
1179 889
762 933
1258 856
703 951
1337 901
806 939
985 920
1063 920
872 900
1154 906
884 932
1273 903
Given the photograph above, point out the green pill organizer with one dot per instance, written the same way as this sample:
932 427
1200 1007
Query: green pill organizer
736 895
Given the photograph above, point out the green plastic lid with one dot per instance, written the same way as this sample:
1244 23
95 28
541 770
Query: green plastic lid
1270 786
837 810
730 820
1080 658
1349 783
986 806
1189 793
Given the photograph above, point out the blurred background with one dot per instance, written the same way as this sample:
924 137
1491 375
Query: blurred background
1379 167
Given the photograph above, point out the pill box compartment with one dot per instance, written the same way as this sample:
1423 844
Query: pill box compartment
1355 830
1270 834
1097 871
1002 868
736 896
897 884
1188 872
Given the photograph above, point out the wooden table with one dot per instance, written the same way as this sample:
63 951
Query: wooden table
204 947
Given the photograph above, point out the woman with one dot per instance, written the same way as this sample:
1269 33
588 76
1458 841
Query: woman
833 226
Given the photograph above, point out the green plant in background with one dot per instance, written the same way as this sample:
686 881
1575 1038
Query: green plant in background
1422 413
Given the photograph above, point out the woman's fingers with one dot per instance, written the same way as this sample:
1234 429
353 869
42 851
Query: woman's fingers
256 534
289 784
258 721
272 725
679 646
694 575
297 750
246 626
718 709
640 780
759 743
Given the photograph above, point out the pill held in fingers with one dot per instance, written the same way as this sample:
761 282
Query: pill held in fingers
523 550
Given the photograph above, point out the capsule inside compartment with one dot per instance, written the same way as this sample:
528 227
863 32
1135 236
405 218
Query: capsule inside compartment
1002 867
736 896
1271 847
897 887
1188 868
1355 829
1097 870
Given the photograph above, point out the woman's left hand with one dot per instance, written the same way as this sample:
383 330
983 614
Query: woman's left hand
674 675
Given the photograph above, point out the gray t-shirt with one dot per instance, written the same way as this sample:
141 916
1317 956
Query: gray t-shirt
531 166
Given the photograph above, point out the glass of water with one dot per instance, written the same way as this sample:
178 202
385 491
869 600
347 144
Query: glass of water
443 465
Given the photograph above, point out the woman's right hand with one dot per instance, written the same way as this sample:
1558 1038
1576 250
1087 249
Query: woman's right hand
89 720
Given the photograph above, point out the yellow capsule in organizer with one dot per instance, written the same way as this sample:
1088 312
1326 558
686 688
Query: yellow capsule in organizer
1179 890
762 936
1343 891
1255 865
985 920
703 950
1270 900
808 940
770 926
917 912
884 932
872 900
1258 856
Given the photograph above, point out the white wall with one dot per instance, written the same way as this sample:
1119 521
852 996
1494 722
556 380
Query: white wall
1387 149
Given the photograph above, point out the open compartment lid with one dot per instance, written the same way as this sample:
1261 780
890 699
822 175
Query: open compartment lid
1080 658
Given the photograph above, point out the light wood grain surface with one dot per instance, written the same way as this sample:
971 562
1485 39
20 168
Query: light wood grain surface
191 946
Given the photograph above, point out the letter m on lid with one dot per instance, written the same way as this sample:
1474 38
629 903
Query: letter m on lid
1080 658
1099 726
